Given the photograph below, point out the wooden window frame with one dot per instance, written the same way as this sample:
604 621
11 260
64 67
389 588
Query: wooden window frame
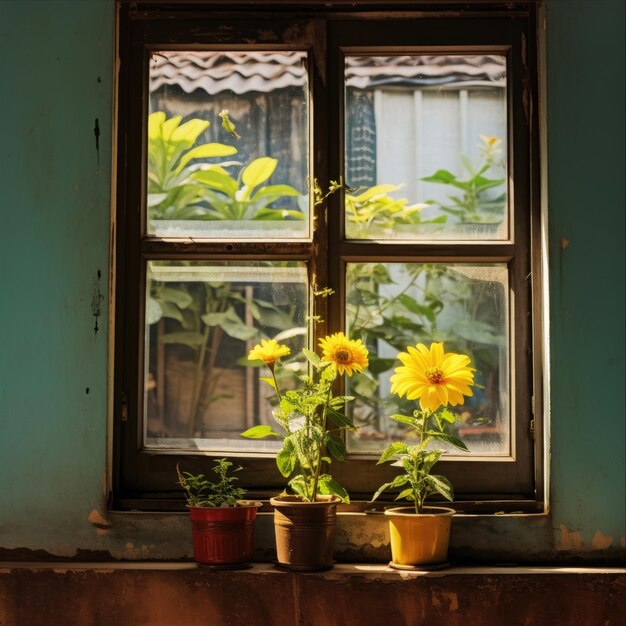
145 479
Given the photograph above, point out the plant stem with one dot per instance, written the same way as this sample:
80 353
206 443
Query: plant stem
321 447
197 381
419 501
280 398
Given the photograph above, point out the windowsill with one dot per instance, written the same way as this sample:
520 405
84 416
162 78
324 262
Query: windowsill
365 570
359 537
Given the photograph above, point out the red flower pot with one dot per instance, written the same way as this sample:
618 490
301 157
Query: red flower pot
223 537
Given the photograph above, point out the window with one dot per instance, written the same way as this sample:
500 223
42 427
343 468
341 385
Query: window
228 123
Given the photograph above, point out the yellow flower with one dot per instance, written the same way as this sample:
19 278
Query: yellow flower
348 355
436 378
268 351
490 142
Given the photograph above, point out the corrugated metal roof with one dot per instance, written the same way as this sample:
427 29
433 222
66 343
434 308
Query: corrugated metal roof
238 72
242 72
366 72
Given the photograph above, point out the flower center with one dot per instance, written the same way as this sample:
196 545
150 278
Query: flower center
434 375
343 356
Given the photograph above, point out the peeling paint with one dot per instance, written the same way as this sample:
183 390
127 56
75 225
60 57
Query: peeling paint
96 133
570 539
131 552
95 519
96 301
601 541
453 601
563 243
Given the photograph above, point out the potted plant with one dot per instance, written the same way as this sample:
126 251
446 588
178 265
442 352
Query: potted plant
310 419
222 523
420 534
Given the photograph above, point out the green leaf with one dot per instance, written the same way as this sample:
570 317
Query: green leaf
414 307
312 357
286 458
440 176
273 192
191 339
441 485
363 385
343 421
155 124
290 333
154 311
204 151
378 366
483 183
393 449
260 431
405 419
399 481
377 190
336 447
176 296
447 415
236 327
339 401
327 485
217 180
172 311
380 490
189 131
455 441
269 380
155 199
257 172
213 319
277 214
298 485
406 494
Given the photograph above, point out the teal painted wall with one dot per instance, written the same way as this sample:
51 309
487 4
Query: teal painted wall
56 61
585 88
57 73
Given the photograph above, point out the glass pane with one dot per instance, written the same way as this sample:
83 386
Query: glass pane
202 318
228 145
426 147
392 306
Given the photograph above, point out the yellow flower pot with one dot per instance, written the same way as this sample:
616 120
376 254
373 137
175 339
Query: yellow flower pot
419 539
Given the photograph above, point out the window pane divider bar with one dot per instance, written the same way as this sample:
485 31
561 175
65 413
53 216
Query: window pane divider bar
488 252
222 249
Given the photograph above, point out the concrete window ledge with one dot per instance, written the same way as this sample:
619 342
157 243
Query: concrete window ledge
365 570
168 594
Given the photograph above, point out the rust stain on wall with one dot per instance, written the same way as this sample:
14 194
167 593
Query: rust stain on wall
448 601
601 541
570 539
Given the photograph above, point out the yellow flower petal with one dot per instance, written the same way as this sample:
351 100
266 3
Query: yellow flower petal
268 351
347 355
433 376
